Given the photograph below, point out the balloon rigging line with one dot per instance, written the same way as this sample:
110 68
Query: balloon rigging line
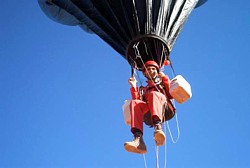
157 156
145 161
145 45
137 52
165 146
178 130
162 53
165 149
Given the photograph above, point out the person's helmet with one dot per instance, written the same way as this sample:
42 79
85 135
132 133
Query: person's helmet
150 63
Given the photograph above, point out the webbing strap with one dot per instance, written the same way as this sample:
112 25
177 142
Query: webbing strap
171 65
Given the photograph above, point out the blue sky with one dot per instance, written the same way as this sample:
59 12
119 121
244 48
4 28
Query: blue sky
61 92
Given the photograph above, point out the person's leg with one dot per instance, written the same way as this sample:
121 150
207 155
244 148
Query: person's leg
137 110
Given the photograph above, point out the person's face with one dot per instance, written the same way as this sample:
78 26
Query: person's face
151 72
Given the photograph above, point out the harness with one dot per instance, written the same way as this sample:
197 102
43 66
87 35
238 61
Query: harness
168 108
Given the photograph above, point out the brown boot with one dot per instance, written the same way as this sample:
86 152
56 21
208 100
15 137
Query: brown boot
159 135
137 145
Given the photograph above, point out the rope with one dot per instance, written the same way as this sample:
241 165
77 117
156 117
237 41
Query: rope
165 149
176 118
165 152
178 130
157 156
145 161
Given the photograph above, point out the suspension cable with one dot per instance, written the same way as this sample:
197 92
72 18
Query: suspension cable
165 149
145 161
178 130
157 156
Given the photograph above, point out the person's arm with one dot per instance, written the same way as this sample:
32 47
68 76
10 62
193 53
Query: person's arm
134 90
166 82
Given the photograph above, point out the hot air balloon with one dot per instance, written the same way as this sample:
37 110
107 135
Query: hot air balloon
139 30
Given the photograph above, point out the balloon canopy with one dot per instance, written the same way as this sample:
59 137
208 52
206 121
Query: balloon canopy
139 30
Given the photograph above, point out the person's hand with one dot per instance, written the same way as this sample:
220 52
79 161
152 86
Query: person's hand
132 81
161 74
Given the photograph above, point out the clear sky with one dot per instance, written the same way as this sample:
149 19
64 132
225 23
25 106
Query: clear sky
61 93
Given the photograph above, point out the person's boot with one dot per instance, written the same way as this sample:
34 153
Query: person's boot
159 135
137 145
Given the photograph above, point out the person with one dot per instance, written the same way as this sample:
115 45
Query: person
150 99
